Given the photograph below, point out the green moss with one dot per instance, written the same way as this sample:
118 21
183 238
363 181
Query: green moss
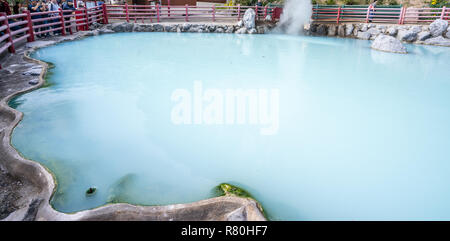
48 75
16 101
225 189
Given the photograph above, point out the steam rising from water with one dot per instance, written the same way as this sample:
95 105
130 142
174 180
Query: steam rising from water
296 14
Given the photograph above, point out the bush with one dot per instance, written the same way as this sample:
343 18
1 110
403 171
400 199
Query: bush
380 2
393 2
438 3
350 2
330 2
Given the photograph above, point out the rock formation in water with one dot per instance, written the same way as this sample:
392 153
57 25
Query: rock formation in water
438 27
388 44
437 33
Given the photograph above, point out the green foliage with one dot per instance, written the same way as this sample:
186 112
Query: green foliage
226 189
314 2
350 2
393 2
330 2
380 2
439 3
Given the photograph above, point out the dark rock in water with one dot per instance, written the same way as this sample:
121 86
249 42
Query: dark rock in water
91 191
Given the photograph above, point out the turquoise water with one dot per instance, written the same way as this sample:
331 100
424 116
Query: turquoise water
361 135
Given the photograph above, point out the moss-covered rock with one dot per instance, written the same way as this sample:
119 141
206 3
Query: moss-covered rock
225 189
91 191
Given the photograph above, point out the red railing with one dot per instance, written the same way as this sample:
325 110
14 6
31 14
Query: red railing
16 28
158 13
398 15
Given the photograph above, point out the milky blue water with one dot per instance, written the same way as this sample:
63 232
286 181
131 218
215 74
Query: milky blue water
363 135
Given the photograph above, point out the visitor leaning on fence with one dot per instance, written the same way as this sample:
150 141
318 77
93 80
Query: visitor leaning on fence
372 10
4 7
43 9
53 6
68 5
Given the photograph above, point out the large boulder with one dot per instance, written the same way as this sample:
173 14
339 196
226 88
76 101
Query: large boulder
363 35
407 35
349 29
441 41
249 18
119 27
388 44
242 30
374 32
322 29
448 33
392 31
438 27
341 31
422 36
332 30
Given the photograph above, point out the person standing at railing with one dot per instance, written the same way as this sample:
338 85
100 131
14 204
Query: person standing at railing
43 9
68 5
16 8
4 7
80 10
260 7
53 6
372 10
35 7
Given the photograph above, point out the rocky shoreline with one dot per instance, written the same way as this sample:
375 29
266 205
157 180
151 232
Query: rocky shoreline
437 33
27 186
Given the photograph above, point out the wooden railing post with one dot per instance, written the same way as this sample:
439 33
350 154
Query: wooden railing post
30 27
187 14
168 8
400 17
86 14
105 14
213 13
239 11
443 12
63 25
8 32
368 13
126 13
265 12
338 15
157 13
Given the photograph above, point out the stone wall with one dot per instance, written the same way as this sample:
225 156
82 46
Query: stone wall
437 33
238 28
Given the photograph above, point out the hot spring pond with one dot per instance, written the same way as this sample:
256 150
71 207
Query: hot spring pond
326 128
